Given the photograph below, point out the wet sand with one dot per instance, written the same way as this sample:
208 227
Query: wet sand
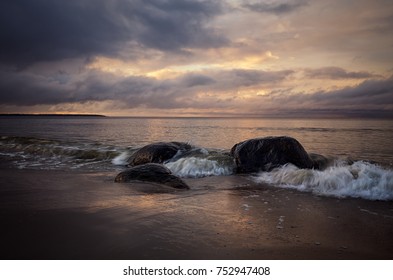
76 215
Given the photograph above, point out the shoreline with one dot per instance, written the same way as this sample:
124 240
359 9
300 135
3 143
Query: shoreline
54 115
85 215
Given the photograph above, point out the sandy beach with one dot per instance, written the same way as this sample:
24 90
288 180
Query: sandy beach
85 215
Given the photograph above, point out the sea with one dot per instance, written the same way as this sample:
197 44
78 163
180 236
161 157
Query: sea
360 151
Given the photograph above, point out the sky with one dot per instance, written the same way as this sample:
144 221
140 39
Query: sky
274 58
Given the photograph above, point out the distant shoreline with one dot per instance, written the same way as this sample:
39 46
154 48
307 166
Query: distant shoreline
197 117
52 115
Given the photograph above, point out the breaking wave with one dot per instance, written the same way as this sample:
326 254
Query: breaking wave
196 163
122 159
359 180
341 178
194 167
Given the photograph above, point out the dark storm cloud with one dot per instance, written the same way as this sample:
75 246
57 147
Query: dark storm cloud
373 97
26 89
278 8
368 99
20 88
368 93
42 30
193 80
228 80
32 31
245 78
170 25
336 73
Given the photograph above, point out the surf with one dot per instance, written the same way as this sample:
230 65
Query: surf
359 179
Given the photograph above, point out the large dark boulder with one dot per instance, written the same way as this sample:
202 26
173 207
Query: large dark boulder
264 154
151 172
157 152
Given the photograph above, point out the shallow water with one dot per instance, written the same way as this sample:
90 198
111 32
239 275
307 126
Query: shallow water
361 150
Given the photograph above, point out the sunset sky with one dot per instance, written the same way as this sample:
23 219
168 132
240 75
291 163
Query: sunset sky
197 58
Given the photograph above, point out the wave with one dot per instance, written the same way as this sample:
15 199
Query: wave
342 178
36 152
359 180
195 163
194 167
122 158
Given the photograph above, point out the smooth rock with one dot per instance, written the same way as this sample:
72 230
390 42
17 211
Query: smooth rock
157 152
264 154
151 172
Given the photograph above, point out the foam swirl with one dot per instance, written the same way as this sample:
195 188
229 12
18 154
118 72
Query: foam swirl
360 180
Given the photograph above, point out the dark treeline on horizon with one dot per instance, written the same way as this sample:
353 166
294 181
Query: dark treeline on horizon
52 115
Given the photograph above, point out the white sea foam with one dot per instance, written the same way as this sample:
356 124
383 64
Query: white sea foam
121 159
360 179
195 167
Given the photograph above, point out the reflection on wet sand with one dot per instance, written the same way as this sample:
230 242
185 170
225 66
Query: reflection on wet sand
87 216
251 219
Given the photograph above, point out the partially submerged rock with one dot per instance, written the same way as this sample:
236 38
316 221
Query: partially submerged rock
158 152
151 172
264 154
320 162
